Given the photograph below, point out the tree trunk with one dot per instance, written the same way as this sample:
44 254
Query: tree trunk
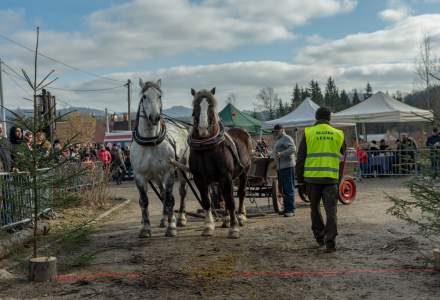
42 268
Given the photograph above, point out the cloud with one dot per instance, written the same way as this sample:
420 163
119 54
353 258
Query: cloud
142 29
394 15
397 43
244 79
11 19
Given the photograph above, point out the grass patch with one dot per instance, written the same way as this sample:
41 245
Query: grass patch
207 271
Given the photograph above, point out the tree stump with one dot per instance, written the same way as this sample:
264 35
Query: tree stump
436 253
42 268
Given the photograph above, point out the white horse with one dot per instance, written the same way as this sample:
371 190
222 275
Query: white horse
155 142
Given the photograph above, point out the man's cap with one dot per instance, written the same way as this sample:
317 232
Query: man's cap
277 127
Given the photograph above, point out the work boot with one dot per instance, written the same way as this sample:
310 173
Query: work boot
320 242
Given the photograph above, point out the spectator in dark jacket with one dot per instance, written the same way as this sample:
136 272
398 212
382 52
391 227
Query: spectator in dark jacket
16 141
433 143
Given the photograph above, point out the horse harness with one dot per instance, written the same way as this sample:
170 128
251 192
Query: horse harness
212 142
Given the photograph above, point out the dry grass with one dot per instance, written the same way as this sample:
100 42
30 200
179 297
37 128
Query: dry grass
97 196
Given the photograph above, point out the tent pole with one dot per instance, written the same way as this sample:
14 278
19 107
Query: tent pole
364 132
356 134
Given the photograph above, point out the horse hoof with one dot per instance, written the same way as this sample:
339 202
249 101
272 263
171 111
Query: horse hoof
208 232
234 233
181 222
163 223
226 224
171 232
145 233
242 220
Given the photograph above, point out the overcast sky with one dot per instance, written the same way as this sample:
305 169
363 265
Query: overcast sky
237 46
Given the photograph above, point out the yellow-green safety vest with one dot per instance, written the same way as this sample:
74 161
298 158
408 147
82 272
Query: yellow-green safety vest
323 151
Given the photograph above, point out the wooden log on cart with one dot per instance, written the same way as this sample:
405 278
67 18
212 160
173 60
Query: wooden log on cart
42 268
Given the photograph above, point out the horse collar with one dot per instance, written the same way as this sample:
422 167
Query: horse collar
205 144
151 141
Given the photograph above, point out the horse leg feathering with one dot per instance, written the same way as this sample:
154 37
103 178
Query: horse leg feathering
143 203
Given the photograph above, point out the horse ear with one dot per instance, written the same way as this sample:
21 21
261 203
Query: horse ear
213 91
159 82
141 83
193 92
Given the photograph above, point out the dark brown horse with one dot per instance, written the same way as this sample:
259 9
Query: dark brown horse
218 157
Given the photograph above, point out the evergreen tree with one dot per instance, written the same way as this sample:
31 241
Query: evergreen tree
296 97
331 97
368 91
356 98
304 93
315 93
344 100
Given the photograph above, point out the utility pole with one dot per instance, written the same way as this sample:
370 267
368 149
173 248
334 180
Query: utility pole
2 108
107 126
128 85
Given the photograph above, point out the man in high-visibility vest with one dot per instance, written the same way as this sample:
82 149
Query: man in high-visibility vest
317 169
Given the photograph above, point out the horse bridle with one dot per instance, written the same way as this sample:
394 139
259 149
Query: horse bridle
149 141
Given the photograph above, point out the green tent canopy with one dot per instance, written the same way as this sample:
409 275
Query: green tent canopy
234 118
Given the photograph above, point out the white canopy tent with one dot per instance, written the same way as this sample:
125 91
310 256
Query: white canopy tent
381 108
302 116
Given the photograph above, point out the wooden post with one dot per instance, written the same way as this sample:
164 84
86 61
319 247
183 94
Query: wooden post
128 84
436 253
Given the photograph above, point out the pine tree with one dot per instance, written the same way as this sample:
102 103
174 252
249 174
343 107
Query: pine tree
331 98
344 100
296 97
356 99
425 194
280 110
305 93
315 93
368 91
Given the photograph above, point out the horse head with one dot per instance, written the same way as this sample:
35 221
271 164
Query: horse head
204 115
150 103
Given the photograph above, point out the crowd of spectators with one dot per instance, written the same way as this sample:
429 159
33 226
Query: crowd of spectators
113 159
399 157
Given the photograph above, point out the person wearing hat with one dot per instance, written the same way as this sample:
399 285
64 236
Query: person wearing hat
317 169
284 154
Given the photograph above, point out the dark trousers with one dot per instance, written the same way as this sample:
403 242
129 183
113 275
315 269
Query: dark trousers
329 195
287 179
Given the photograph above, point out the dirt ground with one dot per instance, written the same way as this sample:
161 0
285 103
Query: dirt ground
378 257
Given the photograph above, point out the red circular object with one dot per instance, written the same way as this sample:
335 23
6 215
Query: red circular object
347 190
234 114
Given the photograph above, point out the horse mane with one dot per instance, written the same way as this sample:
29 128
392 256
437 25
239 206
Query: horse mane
205 94
151 84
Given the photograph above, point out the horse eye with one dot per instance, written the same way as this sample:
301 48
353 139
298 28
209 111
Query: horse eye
144 97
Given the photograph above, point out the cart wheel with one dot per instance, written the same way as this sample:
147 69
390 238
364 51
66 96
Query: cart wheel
277 197
347 190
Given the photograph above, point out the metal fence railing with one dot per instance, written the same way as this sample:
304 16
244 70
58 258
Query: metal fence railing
372 163
16 204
